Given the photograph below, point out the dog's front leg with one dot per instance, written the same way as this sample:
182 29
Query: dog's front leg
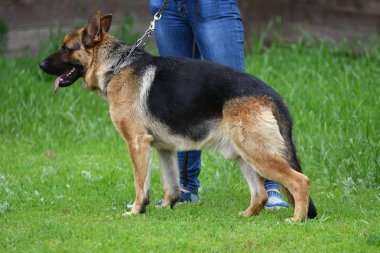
139 145
140 151
170 177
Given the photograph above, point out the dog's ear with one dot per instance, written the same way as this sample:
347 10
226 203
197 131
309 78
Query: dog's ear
105 22
91 33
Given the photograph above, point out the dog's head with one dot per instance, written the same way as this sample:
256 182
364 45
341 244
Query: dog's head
72 60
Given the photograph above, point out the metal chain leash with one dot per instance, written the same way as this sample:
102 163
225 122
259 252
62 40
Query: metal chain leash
141 42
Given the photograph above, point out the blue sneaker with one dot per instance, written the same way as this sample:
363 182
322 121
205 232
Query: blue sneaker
275 200
184 197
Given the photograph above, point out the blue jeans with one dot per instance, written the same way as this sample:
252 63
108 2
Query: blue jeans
219 38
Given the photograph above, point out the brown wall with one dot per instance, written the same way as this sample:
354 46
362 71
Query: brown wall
329 19
30 21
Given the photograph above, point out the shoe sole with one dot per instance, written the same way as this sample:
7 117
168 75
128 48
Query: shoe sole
275 208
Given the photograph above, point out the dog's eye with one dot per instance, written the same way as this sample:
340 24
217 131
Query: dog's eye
64 49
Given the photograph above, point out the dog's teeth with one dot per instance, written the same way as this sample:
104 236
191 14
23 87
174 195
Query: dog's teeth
71 71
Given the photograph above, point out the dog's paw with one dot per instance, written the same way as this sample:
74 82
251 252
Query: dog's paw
130 213
292 220
245 213
289 220
163 205
168 202
159 206
126 214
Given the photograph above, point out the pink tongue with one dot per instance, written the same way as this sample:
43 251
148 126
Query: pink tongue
56 85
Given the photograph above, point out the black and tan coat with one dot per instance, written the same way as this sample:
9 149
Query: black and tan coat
177 104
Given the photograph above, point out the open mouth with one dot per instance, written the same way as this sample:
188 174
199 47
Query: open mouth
68 77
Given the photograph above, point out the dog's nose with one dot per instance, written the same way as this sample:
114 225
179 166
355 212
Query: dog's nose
43 65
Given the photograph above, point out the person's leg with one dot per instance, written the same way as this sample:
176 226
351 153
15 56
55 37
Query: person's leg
219 32
192 161
174 37
220 38
275 200
173 33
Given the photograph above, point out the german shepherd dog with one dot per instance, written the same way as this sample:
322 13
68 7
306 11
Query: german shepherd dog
177 104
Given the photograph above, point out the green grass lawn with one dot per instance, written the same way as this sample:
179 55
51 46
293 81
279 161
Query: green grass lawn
66 177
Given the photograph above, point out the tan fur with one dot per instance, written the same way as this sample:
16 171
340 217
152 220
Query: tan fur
252 119
71 41
93 59
254 131
248 130
122 94
125 95
256 186
91 78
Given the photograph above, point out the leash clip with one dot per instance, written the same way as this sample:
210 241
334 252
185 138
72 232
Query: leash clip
156 17
152 26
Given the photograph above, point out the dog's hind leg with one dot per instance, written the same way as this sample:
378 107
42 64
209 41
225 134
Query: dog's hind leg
170 177
256 186
255 134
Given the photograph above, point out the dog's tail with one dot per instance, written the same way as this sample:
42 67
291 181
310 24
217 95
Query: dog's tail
285 125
